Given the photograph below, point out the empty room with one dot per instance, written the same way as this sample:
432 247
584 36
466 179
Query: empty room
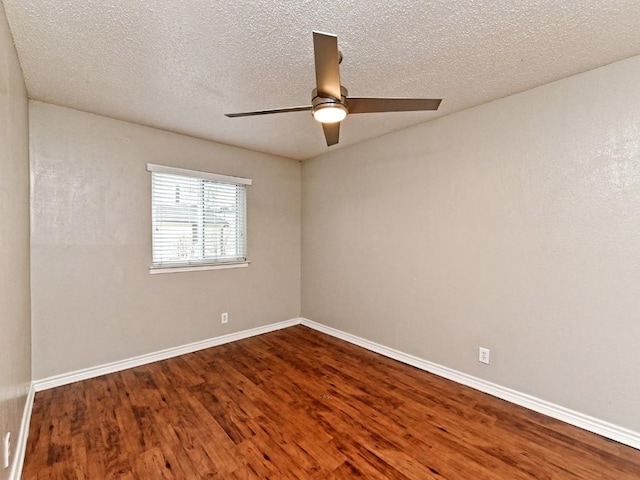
320 239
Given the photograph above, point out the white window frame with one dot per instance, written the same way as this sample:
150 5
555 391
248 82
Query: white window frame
205 264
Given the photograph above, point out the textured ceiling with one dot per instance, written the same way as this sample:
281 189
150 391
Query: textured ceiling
178 65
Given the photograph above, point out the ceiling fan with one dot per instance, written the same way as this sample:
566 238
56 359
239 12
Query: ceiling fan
330 102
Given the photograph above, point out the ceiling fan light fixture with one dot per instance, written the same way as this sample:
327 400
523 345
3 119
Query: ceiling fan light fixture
329 112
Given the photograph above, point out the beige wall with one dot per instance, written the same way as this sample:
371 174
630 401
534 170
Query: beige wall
15 324
93 299
514 225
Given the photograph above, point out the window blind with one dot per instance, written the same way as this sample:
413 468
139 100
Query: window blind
198 218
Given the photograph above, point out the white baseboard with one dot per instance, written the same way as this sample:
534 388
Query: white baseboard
23 434
600 427
92 372
606 429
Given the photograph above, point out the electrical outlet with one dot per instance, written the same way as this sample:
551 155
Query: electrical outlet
483 355
6 450
224 318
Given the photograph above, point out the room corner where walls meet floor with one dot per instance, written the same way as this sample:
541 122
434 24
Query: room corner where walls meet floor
577 419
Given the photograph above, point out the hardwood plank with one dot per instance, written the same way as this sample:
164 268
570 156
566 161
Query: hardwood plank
299 404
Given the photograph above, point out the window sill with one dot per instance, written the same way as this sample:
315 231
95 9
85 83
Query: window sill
196 268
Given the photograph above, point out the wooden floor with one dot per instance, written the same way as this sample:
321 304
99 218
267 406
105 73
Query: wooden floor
299 404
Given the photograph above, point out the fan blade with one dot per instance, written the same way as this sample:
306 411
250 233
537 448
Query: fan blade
372 105
325 47
331 132
268 112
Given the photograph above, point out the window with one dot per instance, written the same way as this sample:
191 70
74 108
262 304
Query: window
198 219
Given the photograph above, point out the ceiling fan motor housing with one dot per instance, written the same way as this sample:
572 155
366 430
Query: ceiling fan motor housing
323 98
325 102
